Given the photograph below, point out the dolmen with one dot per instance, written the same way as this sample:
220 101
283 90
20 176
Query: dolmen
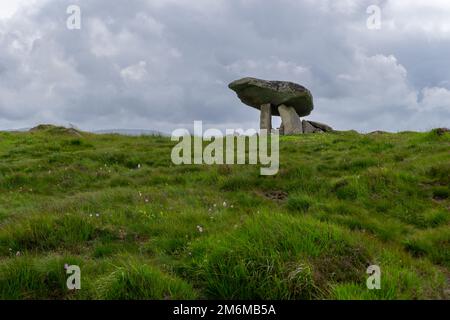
286 99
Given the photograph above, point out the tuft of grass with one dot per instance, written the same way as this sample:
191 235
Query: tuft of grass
26 277
42 233
138 281
441 193
296 259
348 189
299 203
432 243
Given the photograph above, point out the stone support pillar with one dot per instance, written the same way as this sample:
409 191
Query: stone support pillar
291 121
266 117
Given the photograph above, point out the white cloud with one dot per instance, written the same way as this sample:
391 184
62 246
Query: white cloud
10 7
136 72
412 16
103 42
436 98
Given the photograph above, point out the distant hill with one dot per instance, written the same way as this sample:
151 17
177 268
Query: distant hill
131 132
125 132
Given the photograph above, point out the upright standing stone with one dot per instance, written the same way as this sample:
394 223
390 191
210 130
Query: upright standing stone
291 120
266 117
281 130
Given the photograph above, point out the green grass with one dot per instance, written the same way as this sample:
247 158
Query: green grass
140 227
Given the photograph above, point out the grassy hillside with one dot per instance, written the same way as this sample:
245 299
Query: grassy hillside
140 227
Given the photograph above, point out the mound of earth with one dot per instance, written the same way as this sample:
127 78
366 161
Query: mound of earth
49 128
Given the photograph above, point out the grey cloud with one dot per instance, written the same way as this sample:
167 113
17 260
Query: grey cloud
163 64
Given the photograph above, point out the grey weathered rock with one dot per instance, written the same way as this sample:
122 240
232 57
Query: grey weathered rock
281 129
441 131
291 120
321 126
266 117
307 127
315 127
256 92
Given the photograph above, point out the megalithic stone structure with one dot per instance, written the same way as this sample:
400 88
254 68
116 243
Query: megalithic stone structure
279 98
291 121
288 100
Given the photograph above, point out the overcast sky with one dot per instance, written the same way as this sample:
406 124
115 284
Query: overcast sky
161 64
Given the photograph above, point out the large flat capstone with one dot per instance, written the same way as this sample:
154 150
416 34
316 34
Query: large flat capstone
256 92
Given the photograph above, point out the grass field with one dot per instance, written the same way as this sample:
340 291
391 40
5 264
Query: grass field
141 228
